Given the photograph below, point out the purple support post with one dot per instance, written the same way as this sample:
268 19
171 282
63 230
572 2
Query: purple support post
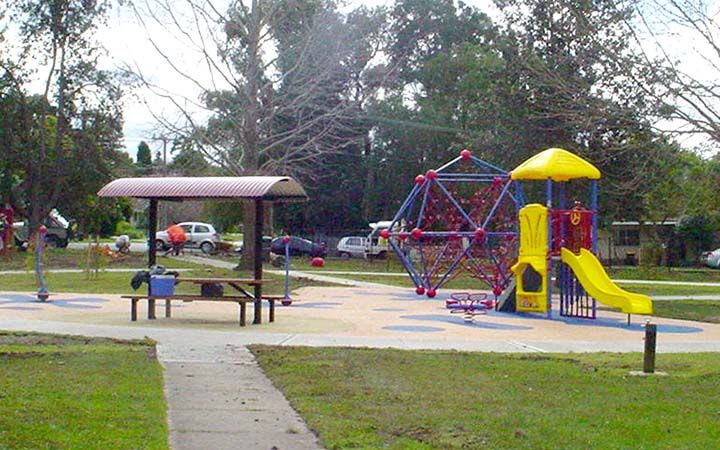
42 293
594 208
287 301
548 204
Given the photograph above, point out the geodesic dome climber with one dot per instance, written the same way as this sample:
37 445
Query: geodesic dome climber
461 217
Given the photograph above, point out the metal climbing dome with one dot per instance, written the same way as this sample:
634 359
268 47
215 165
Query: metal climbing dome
459 218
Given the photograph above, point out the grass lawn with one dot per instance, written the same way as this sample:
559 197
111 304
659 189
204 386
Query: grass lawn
67 392
700 310
698 274
64 258
391 265
393 399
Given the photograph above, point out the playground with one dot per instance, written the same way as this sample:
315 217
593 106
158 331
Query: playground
529 248
538 287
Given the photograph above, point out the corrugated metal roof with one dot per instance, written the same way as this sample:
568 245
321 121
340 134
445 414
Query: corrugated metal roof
176 188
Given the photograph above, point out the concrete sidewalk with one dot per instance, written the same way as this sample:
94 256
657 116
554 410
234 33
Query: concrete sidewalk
218 397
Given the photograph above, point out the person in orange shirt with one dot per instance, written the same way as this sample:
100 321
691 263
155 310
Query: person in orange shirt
177 238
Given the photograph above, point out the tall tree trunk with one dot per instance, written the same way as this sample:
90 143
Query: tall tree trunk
368 195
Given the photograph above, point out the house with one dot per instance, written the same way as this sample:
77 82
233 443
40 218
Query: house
624 241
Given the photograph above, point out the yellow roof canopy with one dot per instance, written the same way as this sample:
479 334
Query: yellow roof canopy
556 164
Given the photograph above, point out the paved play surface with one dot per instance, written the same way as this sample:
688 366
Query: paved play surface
377 317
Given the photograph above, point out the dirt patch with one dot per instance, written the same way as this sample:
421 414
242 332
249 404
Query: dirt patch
7 356
9 338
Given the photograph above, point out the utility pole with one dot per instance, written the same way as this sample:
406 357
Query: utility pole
164 140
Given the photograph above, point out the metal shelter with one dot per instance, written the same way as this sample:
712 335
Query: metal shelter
259 189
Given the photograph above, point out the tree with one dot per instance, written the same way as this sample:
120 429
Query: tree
565 57
62 141
687 93
286 114
144 156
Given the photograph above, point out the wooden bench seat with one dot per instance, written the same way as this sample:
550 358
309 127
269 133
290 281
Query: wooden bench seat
242 302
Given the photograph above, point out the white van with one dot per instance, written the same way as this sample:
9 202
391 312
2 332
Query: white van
375 245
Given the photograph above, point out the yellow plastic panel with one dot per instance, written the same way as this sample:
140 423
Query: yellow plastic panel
533 253
556 164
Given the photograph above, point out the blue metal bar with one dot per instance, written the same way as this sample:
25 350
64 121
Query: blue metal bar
407 263
439 257
459 233
469 176
287 270
455 203
406 204
499 200
451 268
549 203
448 164
427 184
480 163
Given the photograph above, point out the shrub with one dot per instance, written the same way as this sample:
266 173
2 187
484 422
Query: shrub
124 227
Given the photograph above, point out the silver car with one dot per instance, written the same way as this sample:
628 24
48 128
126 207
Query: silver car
711 259
199 235
351 246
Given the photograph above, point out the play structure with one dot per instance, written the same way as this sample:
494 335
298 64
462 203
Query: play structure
459 217
475 221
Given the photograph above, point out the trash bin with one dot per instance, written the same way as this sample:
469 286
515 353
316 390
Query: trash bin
162 284
630 259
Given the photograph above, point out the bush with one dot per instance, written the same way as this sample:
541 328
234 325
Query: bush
124 227
651 254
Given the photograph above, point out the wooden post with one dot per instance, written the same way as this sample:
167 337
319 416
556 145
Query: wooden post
259 219
650 345
152 252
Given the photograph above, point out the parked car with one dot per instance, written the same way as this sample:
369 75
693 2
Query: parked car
351 247
59 231
298 246
266 242
199 235
711 259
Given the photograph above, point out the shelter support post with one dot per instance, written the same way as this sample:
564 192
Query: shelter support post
257 264
152 251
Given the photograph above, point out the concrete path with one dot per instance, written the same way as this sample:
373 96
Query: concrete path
218 397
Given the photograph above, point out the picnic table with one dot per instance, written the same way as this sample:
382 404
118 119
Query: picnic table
242 296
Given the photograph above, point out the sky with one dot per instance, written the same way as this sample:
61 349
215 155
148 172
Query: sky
128 45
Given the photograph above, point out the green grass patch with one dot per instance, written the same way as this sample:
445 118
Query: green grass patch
393 399
665 289
119 282
391 265
68 392
697 274
699 310
65 258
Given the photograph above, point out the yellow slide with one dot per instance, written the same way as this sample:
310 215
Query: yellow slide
596 282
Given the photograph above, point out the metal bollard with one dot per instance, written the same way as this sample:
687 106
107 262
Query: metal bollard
650 345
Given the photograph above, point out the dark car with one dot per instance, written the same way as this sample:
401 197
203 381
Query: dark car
299 246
